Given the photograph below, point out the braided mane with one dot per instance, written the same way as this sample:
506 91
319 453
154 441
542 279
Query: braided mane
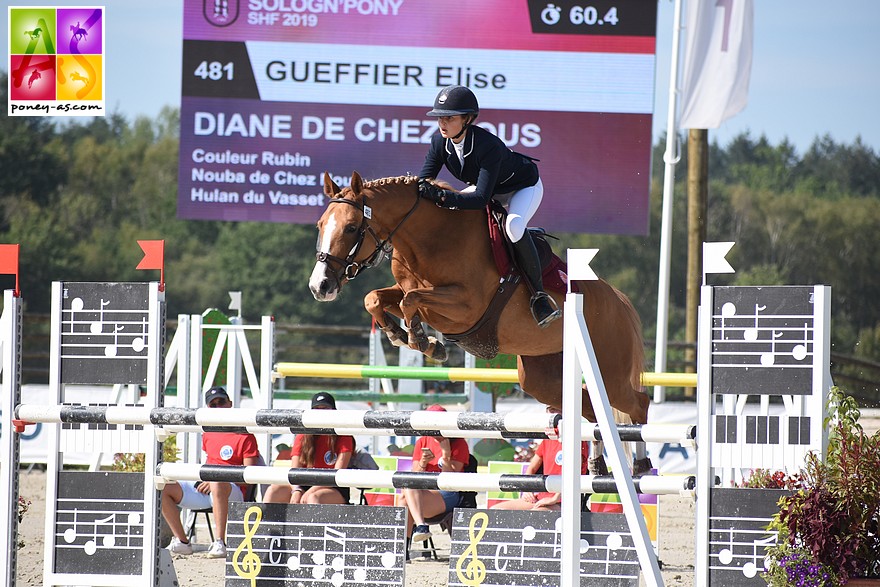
401 179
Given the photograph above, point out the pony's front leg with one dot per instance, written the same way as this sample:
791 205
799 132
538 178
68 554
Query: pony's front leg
379 303
412 304
427 345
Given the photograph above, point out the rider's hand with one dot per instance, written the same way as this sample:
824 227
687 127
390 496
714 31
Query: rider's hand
429 191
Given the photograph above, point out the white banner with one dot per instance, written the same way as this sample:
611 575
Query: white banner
561 81
717 61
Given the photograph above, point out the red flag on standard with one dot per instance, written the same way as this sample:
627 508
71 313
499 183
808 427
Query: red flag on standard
9 259
154 258
154 255
717 61
9 263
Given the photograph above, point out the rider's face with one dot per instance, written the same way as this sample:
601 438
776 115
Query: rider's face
451 126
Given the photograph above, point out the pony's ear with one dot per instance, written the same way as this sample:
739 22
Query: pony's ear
357 183
330 187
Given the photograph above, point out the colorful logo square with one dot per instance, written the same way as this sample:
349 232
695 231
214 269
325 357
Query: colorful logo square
32 77
78 77
56 61
80 31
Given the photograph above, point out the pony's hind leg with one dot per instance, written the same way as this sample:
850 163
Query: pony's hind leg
642 465
596 465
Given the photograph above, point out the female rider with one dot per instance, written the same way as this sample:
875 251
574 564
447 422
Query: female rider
481 159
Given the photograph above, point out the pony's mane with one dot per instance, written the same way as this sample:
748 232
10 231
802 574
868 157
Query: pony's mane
402 179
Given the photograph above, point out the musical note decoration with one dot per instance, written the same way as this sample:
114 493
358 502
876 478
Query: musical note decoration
738 535
331 545
522 549
99 523
250 564
105 333
474 572
762 340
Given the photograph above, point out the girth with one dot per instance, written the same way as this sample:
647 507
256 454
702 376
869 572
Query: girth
481 340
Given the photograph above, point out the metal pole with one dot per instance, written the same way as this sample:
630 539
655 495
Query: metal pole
670 158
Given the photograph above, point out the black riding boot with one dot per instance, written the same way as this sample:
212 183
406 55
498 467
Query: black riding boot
544 309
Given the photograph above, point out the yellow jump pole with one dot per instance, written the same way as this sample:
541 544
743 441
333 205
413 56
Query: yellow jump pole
340 371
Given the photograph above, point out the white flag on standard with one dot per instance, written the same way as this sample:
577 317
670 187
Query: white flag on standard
717 61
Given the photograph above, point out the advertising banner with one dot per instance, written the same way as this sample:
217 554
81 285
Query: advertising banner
278 92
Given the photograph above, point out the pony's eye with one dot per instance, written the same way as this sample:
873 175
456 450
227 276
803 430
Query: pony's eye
350 228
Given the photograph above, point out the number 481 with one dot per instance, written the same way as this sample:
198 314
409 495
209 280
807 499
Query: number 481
214 70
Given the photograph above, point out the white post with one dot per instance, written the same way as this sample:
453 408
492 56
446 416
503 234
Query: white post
53 464
10 343
705 432
194 399
571 444
670 158
267 363
155 379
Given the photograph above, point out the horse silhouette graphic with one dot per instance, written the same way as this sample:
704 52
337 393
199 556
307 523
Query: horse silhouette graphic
75 76
34 34
78 33
34 77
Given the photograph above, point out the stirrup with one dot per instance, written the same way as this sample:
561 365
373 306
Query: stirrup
554 314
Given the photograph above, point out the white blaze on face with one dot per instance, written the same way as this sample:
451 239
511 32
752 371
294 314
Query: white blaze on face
320 270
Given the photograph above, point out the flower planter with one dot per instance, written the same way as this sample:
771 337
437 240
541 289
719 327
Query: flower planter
862 582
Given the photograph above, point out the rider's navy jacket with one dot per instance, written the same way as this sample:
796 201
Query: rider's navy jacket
488 164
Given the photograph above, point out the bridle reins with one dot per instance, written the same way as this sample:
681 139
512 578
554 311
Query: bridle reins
349 267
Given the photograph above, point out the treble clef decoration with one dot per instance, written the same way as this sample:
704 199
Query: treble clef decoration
474 572
250 565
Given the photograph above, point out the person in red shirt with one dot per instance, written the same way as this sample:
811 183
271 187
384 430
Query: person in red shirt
548 459
316 451
221 448
434 455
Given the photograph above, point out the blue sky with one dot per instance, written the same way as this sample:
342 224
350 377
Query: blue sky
816 67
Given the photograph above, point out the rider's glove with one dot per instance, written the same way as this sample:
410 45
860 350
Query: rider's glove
432 192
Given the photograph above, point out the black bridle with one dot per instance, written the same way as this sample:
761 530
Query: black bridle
348 266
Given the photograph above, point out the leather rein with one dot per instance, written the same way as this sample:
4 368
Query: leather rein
348 266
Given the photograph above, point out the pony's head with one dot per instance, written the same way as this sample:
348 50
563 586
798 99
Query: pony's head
346 242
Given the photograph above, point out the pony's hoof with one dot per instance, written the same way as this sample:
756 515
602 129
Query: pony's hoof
436 350
597 466
642 467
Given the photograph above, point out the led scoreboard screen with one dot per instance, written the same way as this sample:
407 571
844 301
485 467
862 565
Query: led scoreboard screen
276 93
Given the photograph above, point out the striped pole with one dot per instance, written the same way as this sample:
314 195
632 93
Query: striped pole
340 371
357 478
346 422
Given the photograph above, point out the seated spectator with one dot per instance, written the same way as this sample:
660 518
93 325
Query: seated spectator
433 455
316 451
547 460
221 448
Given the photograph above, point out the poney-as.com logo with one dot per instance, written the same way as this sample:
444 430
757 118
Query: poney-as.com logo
56 61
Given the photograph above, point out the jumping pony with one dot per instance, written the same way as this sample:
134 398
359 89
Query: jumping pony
446 277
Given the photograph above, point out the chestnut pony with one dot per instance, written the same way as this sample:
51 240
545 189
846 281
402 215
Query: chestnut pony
446 277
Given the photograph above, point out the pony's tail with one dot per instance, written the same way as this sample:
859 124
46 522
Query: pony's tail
637 366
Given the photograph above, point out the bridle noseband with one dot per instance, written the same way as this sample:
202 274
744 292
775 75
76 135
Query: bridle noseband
348 266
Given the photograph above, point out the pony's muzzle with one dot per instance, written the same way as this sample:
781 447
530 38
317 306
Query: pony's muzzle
323 284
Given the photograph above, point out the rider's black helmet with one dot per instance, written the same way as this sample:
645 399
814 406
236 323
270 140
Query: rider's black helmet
453 100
